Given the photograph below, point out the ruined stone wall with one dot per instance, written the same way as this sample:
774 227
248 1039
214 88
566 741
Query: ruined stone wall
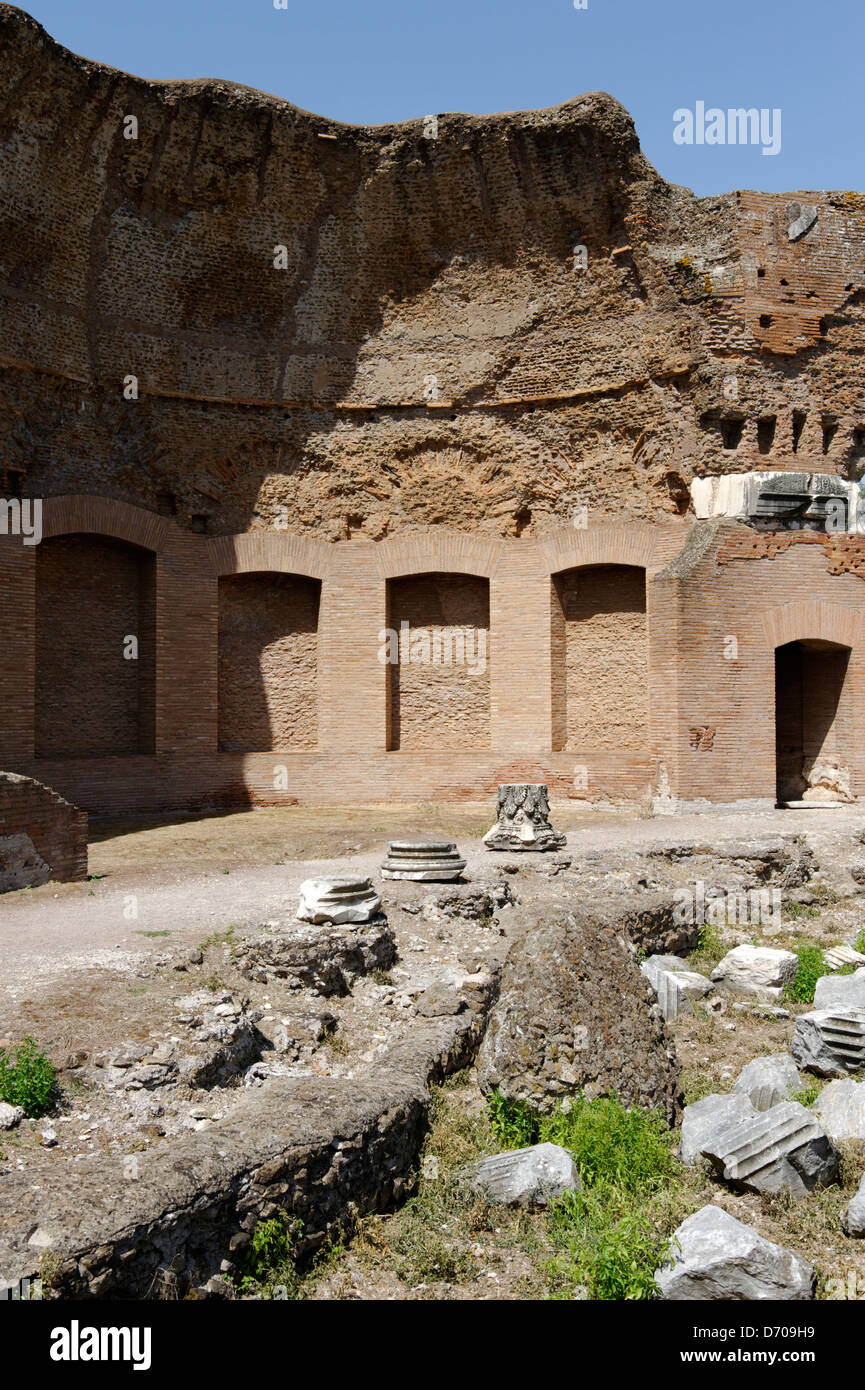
725 618
268 662
56 830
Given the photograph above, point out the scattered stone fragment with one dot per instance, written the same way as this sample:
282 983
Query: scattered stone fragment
840 991
759 970
784 1147
338 900
830 1042
325 958
428 861
10 1115
676 986
522 820
836 957
841 1108
705 1117
853 1218
714 1256
525 1177
769 1080
440 1001
49 1138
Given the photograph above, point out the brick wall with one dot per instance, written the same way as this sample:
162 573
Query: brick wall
600 663
92 594
268 662
57 829
440 698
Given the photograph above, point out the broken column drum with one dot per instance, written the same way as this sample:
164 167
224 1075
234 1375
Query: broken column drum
426 861
523 820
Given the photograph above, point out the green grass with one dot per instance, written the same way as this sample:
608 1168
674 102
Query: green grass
28 1078
808 1094
812 966
798 910
710 949
608 1238
859 943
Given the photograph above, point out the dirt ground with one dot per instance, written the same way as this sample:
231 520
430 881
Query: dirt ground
88 966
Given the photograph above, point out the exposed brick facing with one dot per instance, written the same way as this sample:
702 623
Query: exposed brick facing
268 662
57 829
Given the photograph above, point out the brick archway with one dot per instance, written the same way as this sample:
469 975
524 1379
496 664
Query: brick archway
816 620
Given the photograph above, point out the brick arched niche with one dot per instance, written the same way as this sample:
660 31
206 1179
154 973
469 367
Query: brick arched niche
437 657
268 661
95 647
599 658
814 723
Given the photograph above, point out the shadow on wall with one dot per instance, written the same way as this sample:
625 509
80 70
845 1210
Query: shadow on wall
268 663
439 688
95 648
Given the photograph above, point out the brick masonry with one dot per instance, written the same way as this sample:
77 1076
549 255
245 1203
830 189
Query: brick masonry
58 831
431 413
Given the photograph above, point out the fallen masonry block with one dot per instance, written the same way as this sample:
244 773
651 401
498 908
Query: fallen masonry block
525 1177
676 989
324 958
836 957
841 1109
784 1147
853 1218
714 1256
759 970
425 861
338 900
769 1080
840 991
830 1042
703 1120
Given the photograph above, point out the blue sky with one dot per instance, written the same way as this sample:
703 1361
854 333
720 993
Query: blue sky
392 60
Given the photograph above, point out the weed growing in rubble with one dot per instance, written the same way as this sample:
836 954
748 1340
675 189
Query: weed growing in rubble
28 1079
859 943
607 1238
812 965
267 1261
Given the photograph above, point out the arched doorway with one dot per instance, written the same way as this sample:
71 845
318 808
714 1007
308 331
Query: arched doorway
812 747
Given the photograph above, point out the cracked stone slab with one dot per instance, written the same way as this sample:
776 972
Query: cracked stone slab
714 1256
760 970
840 991
769 1080
841 1109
